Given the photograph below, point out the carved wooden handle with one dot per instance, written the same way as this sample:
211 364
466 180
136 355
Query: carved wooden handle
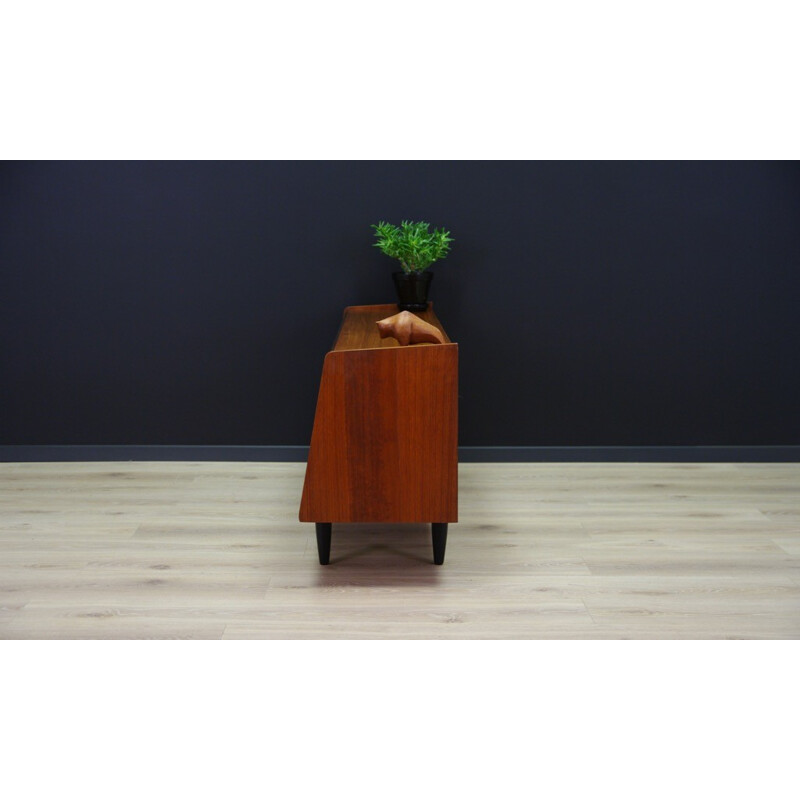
408 328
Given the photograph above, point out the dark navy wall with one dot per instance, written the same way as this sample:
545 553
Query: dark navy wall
605 303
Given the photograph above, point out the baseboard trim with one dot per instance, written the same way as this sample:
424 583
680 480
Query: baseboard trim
681 454
731 453
150 452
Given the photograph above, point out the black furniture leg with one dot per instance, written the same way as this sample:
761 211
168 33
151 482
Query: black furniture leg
439 531
324 541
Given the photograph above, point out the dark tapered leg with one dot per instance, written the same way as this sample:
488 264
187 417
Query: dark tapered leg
439 530
324 541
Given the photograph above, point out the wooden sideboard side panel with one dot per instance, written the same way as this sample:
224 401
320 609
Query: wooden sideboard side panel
385 437
327 486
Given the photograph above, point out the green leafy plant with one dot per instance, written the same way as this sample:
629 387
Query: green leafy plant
412 244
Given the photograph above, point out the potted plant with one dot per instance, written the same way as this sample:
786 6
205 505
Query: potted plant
416 248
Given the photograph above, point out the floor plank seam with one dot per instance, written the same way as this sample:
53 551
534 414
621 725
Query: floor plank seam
589 612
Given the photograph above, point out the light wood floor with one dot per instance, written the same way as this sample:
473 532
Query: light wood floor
214 550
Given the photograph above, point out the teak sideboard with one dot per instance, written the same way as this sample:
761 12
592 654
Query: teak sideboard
384 447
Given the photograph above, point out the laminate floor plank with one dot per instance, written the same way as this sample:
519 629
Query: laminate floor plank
138 550
788 543
104 623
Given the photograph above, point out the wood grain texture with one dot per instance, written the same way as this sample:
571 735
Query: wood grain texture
384 446
139 550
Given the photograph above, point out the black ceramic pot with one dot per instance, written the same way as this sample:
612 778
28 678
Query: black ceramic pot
412 289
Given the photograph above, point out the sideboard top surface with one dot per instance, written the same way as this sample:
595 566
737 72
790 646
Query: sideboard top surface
359 331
